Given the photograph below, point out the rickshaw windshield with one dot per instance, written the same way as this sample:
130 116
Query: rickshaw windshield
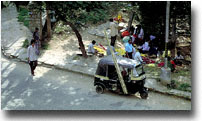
101 70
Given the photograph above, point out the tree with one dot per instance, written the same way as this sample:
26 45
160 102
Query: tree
179 10
69 12
49 33
65 12
130 20
152 18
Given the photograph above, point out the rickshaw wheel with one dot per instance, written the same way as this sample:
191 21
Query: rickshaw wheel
144 95
99 89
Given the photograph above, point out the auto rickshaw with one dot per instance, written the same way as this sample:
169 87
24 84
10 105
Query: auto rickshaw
106 77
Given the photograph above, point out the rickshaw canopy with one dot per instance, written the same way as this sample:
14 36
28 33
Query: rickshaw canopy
123 62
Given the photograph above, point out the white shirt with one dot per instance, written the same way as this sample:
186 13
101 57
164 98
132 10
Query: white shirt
141 34
90 48
145 46
114 29
31 53
152 37
137 56
179 57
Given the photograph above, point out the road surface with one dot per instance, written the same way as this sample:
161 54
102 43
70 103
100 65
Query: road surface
53 89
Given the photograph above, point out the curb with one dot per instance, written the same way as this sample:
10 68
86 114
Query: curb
188 97
168 92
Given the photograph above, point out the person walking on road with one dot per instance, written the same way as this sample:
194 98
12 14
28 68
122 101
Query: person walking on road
32 57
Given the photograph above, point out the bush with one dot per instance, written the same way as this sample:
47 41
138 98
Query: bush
23 15
93 17
25 43
45 46
180 86
184 86
60 28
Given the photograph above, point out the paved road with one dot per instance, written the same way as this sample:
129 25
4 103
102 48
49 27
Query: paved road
53 89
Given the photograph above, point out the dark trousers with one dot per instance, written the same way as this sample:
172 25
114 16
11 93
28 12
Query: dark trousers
130 55
33 65
153 51
113 40
178 62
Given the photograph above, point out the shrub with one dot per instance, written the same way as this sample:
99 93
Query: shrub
180 86
184 86
45 46
23 15
60 28
25 43
93 17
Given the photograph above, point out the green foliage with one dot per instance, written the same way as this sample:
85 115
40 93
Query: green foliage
76 57
180 86
153 14
184 86
45 46
83 11
23 16
93 17
60 28
25 43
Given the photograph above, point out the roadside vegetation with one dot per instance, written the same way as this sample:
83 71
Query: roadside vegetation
25 43
23 16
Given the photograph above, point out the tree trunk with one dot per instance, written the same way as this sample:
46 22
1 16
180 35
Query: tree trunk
173 37
78 36
48 24
41 26
130 20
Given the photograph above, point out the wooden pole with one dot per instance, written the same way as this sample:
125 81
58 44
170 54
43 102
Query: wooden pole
117 66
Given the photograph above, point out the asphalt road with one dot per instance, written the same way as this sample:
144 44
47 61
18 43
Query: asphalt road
53 89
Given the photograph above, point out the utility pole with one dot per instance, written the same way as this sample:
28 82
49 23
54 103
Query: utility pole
165 76
167 32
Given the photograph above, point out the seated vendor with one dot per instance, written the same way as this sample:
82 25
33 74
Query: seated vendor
153 50
144 48
178 59
136 56
108 50
91 49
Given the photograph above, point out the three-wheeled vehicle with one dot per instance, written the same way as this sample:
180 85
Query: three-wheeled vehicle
106 77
